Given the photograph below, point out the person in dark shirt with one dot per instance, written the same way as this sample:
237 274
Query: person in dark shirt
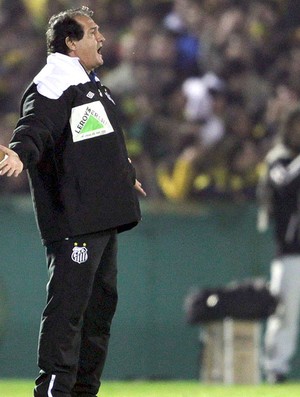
70 141
279 196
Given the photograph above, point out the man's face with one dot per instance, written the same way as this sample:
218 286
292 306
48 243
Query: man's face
88 49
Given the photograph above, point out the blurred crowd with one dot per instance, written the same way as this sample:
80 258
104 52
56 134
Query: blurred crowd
202 85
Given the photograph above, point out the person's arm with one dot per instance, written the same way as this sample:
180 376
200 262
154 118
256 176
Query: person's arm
31 135
41 124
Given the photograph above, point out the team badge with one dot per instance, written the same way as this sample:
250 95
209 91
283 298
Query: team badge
79 254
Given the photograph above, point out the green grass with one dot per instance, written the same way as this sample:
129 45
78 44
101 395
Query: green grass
23 388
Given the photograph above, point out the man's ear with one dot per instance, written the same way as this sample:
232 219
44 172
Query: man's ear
70 43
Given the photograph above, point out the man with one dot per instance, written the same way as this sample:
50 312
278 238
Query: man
84 191
279 194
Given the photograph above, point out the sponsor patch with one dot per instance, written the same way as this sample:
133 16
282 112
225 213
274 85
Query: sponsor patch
89 121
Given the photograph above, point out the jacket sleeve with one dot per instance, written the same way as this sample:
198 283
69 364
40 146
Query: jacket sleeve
42 121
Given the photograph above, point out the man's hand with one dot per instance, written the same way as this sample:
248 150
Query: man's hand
138 187
10 163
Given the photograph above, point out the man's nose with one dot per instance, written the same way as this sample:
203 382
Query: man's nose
100 37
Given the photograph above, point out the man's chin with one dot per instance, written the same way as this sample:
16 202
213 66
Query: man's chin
100 60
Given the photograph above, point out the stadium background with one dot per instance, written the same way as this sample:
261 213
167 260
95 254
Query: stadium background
199 224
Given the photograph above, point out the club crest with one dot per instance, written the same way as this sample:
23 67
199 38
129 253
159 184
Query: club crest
79 254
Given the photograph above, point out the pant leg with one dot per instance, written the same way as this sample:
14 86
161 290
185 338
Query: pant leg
282 327
72 267
97 323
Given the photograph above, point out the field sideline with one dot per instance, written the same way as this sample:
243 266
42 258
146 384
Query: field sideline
23 388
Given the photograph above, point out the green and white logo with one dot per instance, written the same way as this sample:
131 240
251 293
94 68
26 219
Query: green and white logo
89 121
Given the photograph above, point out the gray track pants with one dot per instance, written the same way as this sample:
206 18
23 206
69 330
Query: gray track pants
282 327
